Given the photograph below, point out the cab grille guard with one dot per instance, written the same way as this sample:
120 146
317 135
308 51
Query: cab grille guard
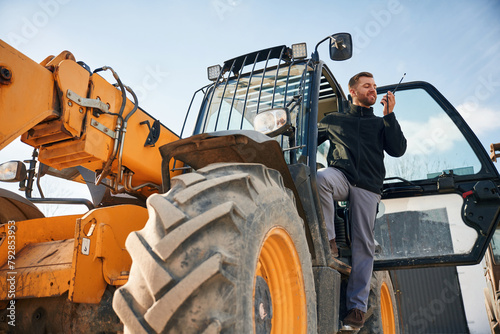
232 69
231 75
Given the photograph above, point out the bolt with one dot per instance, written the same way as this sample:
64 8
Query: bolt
69 103
106 130
5 73
81 111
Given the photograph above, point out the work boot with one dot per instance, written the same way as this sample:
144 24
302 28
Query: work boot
333 248
355 318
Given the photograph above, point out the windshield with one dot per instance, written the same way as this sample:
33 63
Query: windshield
235 102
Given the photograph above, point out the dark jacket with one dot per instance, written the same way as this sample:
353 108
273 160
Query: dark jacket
358 140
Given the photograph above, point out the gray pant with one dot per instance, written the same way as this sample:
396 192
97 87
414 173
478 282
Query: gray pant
333 186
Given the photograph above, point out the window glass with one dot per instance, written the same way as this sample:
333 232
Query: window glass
435 144
423 226
235 104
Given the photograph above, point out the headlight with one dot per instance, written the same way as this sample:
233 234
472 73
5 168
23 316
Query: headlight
272 122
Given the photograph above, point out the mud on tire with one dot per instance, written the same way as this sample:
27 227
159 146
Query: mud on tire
382 314
196 261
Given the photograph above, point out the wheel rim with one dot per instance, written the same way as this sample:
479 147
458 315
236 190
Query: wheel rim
279 265
387 311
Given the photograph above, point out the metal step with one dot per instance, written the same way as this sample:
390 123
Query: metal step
348 330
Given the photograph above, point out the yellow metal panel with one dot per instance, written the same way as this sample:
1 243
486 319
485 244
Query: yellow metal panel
40 270
51 61
42 258
144 161
148 167
46 133
27 98
94 146
70 75
47 256
100 257
87 284
37 231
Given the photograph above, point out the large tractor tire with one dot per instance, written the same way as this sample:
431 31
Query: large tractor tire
382 315
224 251
16 208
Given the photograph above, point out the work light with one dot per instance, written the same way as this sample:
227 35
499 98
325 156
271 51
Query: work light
214 72
299 50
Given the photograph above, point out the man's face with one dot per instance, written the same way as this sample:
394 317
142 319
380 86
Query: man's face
364 94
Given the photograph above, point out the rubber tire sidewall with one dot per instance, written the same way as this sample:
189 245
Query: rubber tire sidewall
261 203
373 321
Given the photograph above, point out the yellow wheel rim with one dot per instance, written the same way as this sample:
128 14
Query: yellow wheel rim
387 311
279 265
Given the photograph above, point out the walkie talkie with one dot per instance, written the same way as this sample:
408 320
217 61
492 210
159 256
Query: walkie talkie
396 88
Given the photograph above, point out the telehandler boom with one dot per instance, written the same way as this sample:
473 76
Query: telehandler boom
79 125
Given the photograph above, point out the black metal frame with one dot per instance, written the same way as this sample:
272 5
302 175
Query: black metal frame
475 205
488 171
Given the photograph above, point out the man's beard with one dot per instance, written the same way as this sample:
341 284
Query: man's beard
366 100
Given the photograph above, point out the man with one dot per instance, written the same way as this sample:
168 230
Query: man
356 173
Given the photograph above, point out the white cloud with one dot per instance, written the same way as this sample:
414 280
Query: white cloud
436 135
480 119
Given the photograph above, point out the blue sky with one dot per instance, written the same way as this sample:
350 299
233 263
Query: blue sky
162 48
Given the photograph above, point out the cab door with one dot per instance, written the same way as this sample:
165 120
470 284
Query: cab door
440 201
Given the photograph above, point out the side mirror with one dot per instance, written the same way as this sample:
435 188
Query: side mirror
272 122
12 171
340 46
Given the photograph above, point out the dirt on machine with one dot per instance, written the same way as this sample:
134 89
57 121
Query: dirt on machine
220 230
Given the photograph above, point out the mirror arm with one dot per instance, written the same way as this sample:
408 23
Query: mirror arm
38 185
315 55
31 174
324 39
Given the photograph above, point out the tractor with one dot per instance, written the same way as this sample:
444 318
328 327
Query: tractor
220 231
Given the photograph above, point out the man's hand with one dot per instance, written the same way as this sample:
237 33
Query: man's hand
392 102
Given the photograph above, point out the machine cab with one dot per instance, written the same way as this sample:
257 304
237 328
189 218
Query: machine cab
440 201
